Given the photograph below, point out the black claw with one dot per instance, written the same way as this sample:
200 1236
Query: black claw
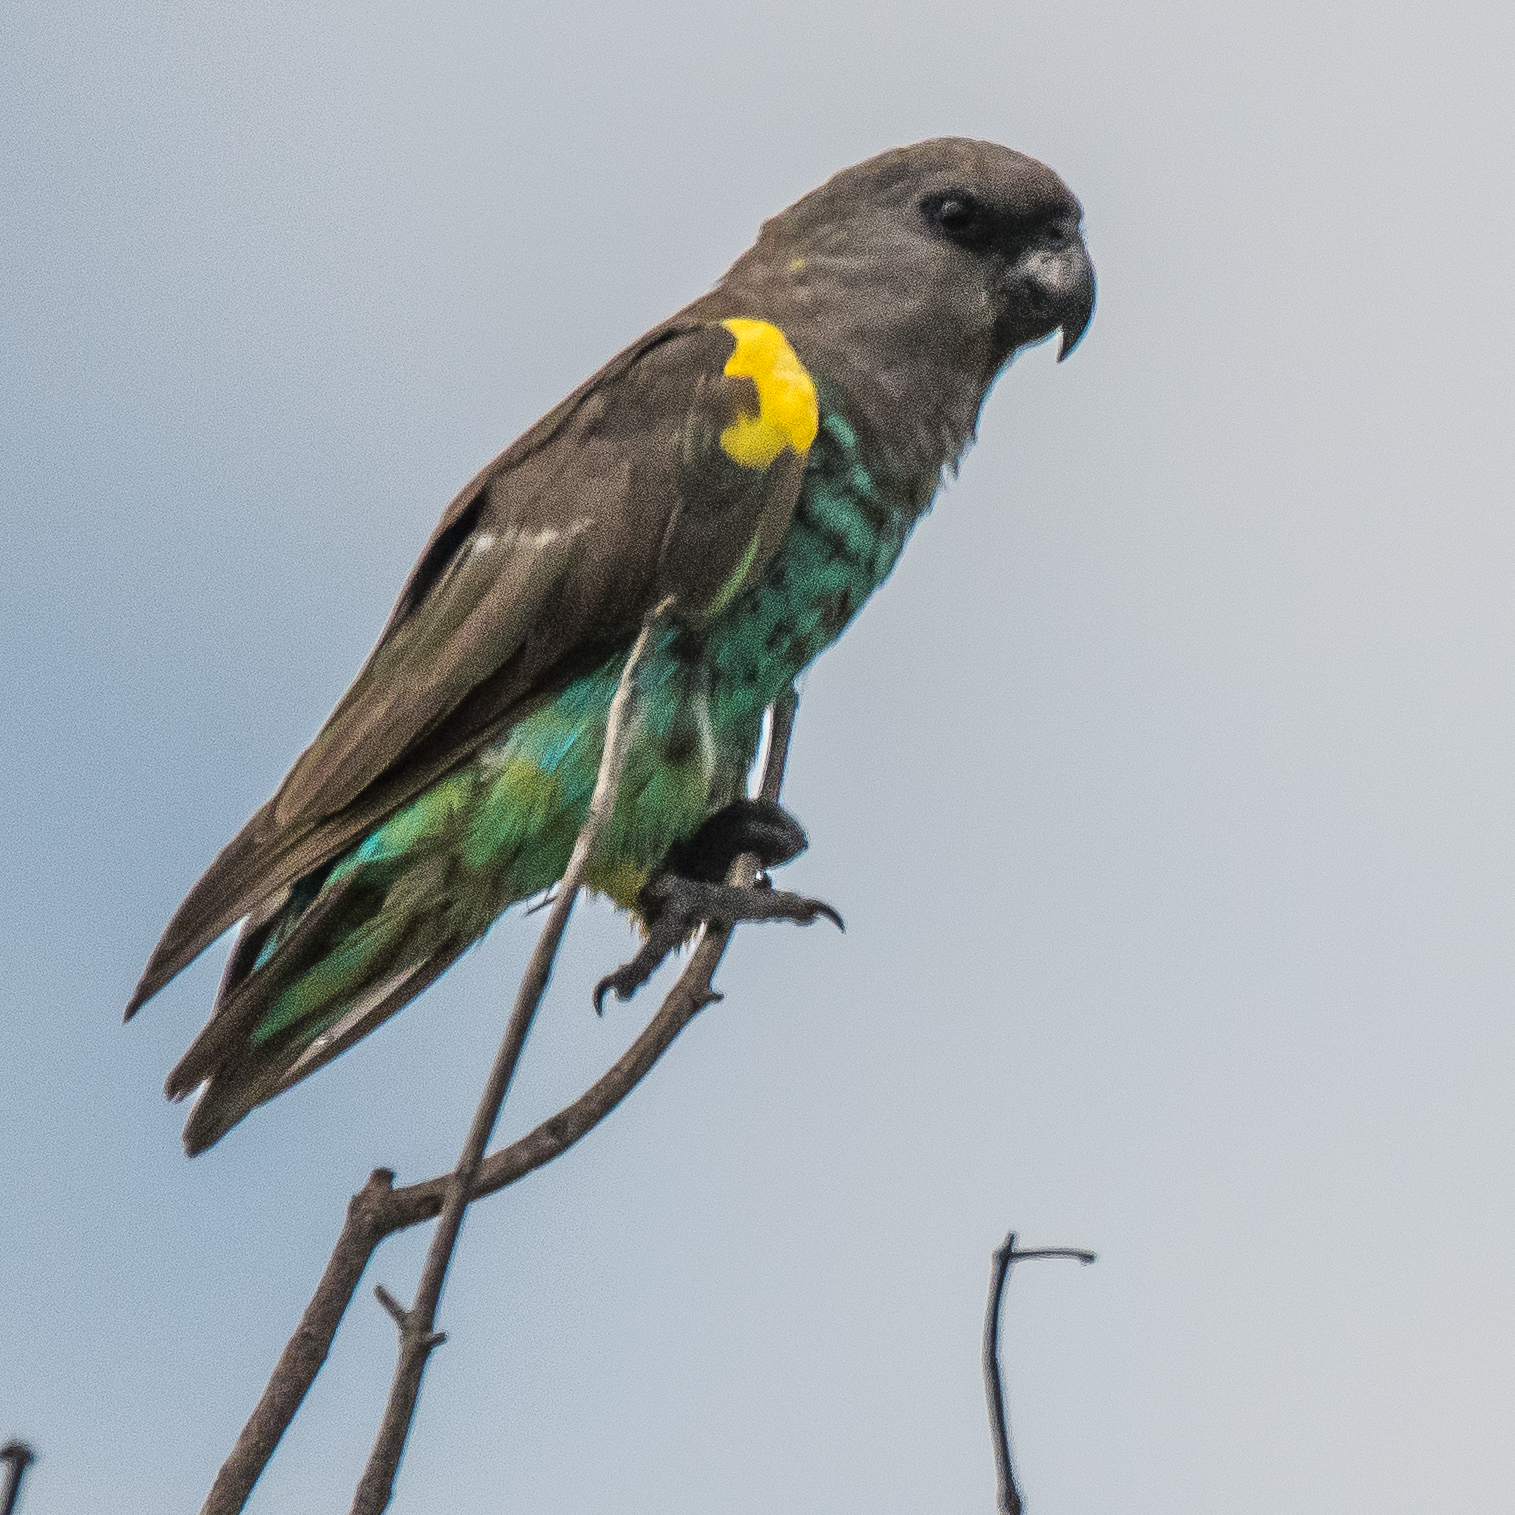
823 909
630 976
674 907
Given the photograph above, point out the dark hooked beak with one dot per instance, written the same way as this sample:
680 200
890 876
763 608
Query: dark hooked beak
1080 307
1055 285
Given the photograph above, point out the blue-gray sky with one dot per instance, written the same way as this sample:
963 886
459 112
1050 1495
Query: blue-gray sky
1165 788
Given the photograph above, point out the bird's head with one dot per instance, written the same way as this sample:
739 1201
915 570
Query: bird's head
940 260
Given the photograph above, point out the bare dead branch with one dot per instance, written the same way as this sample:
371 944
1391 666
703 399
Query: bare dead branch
999 1425
17 1457
417 1334
305 1352
379 1209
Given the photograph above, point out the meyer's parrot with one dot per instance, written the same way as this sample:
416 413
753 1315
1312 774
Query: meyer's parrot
761 457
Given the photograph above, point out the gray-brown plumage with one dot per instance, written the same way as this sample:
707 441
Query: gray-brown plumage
761 456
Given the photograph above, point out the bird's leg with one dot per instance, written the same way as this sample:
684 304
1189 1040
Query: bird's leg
761 827
690 888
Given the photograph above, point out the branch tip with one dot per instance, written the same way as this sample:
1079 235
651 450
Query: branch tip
1078 1254
19 1457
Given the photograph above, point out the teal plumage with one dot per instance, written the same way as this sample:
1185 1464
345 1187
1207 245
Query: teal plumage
797 474
503 827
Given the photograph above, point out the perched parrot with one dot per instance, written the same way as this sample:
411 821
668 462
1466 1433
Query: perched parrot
761 457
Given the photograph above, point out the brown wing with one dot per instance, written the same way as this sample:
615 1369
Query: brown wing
542 567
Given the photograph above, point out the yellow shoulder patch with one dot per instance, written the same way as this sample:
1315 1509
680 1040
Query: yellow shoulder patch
788 415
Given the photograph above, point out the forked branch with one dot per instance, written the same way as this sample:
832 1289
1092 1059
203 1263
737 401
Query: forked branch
417 1333
379 1209
1005 1255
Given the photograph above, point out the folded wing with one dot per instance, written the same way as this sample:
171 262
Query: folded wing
644 482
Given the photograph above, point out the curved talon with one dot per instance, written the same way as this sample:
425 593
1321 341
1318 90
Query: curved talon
630 976
821 908
675 907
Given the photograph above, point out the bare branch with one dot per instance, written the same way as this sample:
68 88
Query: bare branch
18 1457
305 1352
417 1336
999 1425
378 1209
1009 1496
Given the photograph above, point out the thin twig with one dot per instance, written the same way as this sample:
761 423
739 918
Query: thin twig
1004 1256
392 1307
417 1335
18 1457
379 1210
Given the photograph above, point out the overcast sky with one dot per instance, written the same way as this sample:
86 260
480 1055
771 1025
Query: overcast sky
1165 788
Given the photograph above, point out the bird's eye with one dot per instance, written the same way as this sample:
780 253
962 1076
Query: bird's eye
956 215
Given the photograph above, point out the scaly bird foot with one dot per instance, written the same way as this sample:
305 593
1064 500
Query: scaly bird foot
690 890
682 905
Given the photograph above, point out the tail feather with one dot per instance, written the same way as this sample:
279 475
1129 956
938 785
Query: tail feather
273 952
236 1089
244 874
309 978
268 856
369 1013
330 950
